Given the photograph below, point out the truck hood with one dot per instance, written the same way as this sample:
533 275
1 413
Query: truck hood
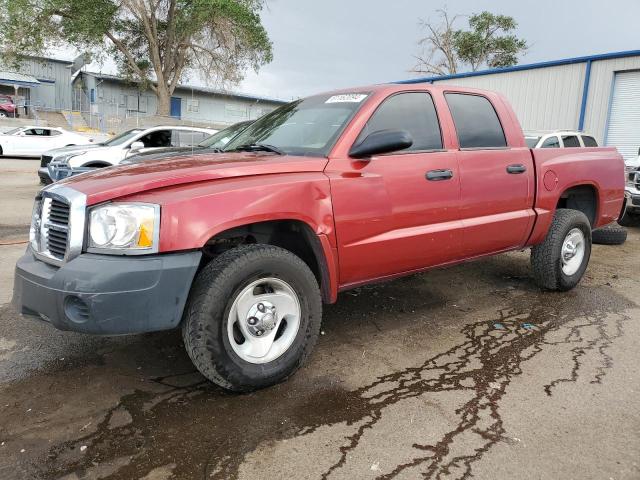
115 182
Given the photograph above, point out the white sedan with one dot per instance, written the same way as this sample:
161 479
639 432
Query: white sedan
34 141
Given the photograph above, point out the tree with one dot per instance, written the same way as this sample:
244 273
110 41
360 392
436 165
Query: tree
489 42
484 44
156 43
439 55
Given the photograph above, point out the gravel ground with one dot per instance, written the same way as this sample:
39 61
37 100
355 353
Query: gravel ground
461 372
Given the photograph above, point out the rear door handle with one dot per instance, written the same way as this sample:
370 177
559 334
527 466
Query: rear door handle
516 169
439 175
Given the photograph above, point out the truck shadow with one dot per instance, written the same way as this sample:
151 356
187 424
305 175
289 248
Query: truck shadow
198 431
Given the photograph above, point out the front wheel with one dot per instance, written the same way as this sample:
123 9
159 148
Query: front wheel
253 317
560 261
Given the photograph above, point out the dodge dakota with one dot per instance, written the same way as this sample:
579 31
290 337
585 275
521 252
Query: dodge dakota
241 248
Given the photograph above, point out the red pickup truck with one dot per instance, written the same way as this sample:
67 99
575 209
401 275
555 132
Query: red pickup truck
241 248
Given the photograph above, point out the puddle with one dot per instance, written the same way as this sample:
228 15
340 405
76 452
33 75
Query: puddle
201 432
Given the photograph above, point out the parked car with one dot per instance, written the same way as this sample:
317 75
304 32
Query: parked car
631 216
32 141
239 249
66 162
560 139
217 141
8 108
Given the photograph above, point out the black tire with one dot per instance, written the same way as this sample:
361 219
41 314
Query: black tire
629 219
546 258
612 234
204 326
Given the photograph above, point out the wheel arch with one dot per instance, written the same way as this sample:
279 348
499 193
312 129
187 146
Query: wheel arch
96 164
583 197
293 235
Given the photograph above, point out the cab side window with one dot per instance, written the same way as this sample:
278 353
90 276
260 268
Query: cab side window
589 141
158 139
551 142
186 138
570 141
37 132
476 121
413 112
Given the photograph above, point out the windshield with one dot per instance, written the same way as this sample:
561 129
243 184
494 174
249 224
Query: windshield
220 139
13 131
532 141
122 138
308 126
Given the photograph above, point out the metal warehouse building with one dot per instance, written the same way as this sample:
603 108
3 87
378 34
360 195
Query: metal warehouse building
110 103
599 94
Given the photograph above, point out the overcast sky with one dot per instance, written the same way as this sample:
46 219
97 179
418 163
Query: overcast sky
320 45
326 44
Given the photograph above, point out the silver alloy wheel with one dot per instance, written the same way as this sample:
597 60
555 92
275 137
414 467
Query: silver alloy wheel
257 315
573 249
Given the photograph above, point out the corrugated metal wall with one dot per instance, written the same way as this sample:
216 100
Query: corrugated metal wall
544 98
55 77
602 73
54 91
114 99
550 98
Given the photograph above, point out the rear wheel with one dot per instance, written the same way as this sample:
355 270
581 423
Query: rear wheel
3 114
560 261
252 318
612 234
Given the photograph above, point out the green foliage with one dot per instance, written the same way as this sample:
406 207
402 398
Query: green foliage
154 42
489 42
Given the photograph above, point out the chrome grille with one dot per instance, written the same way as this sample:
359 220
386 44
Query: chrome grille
57 225
637 179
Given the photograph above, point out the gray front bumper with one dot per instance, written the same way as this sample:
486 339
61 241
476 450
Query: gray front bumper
104 294
632 196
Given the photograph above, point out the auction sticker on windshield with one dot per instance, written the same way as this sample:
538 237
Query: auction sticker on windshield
347 98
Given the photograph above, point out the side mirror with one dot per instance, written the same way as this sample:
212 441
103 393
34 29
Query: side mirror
382 141
137 146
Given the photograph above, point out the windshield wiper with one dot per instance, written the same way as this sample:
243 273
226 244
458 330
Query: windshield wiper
258 147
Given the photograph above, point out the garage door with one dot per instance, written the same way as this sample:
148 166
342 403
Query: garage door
624 116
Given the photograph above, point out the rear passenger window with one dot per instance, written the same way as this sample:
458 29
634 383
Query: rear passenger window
551 142
476 121
413 112
589 141
570 141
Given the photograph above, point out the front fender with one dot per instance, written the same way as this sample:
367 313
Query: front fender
191 214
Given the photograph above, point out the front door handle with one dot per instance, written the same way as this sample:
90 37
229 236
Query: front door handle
516 169
439 175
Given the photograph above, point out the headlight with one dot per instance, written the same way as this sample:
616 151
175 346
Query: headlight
34 230
124 228
64 159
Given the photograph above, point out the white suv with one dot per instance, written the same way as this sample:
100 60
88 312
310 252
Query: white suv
560 139
65 162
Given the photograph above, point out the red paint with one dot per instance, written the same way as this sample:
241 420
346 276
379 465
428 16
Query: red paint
550 180
9 106
380 218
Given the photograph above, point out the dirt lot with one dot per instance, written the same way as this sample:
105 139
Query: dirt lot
460 372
